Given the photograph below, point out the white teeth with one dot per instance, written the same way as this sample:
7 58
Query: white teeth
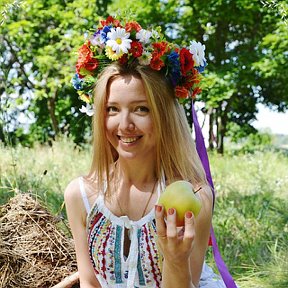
128 140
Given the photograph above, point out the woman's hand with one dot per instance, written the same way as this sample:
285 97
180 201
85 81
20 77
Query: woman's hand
175 243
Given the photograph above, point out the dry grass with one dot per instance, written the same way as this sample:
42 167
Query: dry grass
33 251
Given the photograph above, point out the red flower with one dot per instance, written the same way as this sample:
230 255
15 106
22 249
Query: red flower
196 91
191 79
85 61
186 61
110 20
136 49
133 25
123 59
156 63
181 92
159 49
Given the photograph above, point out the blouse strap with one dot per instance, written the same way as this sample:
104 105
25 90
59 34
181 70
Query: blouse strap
84 195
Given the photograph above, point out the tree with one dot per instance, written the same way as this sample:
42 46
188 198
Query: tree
39 41
246 47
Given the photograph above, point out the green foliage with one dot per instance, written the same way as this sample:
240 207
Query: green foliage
271 70
39 57
246 47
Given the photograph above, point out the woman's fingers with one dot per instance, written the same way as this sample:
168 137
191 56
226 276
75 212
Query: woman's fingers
171 224
189 232
169 231
160 223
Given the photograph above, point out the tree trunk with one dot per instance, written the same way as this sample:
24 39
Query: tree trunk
51 109
211 125
222 116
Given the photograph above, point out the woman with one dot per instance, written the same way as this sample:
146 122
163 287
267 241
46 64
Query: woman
142 142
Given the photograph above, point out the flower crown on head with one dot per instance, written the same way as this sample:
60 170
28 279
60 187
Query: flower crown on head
127 42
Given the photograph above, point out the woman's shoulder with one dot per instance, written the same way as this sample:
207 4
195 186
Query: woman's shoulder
72 190
81 187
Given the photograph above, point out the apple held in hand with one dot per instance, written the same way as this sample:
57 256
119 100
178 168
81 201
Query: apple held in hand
180 196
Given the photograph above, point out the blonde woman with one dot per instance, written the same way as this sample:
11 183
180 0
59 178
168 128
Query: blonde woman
142 142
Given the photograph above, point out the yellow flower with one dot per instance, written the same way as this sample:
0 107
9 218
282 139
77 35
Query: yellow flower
111 54
84 97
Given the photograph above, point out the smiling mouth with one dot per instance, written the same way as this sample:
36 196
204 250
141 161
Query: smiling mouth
129 139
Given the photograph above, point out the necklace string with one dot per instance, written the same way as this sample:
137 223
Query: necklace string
147 203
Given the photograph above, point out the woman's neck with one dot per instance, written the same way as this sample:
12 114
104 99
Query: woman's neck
134 172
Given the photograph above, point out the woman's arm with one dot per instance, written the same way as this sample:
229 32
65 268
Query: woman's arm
77 219
184 252
202 232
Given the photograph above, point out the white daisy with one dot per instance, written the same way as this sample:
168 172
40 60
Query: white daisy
144 36
88 109
198 52
119 40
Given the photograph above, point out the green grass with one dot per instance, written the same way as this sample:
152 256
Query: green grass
250 218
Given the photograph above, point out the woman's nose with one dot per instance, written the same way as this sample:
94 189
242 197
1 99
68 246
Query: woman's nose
126 122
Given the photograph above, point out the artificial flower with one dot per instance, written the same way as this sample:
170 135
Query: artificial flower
191 79
145 58
156 63
119 40
127 42
95 40
144 36
132 26
136 49
196 91
103 34
201 69
155 34
77 82
88 109
198 52
186 61
112 55
181 92
174 67
86 63
84 97
110 21
159 48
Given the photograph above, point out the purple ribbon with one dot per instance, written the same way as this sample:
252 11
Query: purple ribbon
201 149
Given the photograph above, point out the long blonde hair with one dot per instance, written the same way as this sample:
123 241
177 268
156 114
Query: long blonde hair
176 154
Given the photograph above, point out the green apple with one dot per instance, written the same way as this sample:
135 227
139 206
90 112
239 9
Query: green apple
180 196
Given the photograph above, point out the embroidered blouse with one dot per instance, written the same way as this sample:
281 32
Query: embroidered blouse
142 267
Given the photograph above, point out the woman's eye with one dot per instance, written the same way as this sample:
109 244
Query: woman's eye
112 109
142 109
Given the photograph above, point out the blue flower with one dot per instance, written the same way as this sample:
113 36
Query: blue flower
103 34
201 69
77 82
174 67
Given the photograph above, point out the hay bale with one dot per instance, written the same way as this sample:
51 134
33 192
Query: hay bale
33 251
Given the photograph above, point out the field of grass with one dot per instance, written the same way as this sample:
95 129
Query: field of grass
250 218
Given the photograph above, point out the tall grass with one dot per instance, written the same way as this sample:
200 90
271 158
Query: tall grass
250 217
43 171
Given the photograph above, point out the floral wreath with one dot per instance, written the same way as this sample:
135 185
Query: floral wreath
126 42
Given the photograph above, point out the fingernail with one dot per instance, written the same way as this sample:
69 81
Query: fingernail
171 211
188 214
158 208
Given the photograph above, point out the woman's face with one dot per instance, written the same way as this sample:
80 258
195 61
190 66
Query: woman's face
129 126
